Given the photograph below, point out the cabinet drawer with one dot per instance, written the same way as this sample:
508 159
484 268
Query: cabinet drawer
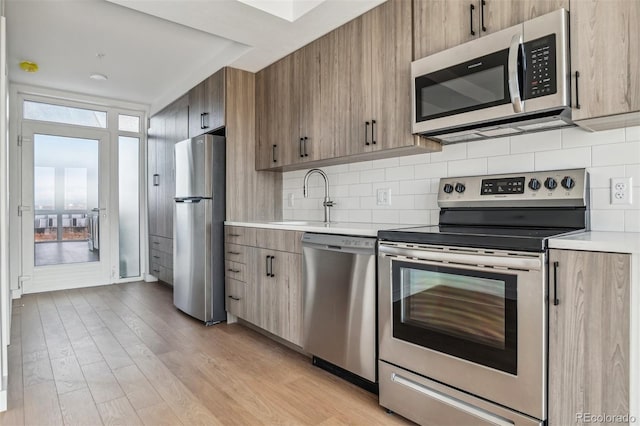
276 239
239 235
234 270
162 244
235 297
166 275
235 253
162 259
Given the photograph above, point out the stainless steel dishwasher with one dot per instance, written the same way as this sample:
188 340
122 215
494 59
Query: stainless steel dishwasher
339 293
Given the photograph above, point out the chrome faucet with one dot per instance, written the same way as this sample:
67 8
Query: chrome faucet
327 202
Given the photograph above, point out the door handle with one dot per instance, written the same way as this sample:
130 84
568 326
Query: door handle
514 84
556 301
271 259
366 130
266 266
273 153
373 134
304 146
204 125
300 147
156 180
471 9
577 93
483 3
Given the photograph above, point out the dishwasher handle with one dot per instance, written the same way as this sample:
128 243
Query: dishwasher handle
339 243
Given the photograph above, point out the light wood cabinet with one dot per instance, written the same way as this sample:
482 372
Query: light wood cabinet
605 64
345 96
206 105
264 279
166 128
589 334
441 24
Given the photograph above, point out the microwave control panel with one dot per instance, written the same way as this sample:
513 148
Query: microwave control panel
540 67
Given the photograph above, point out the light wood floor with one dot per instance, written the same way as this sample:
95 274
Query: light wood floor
123 355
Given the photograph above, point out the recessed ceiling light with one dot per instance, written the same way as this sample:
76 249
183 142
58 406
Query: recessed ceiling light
97 76
28 66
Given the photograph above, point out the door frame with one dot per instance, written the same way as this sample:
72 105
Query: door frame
18 93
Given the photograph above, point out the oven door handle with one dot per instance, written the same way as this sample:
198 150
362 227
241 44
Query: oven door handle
514 84
464 259
455 403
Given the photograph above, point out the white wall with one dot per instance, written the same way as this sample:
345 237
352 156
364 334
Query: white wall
413 180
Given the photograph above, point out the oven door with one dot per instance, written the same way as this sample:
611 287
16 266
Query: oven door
471 319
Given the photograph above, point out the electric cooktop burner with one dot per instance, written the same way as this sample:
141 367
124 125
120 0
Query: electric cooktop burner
510 212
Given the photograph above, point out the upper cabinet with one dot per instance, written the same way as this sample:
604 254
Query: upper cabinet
605 63
441 24
206 105
346 95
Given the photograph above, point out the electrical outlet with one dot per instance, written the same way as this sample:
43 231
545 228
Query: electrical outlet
384 197
290 199
621 190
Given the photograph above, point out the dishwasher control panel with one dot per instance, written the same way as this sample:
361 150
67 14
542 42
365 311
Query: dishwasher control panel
339 241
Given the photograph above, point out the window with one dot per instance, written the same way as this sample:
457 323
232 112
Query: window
128 123
64 114
75 188
129 205
44 188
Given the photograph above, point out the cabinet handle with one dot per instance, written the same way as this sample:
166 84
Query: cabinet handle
556 301
156 180
483 3
234 252
271 259
304 146
373 134
366 130
471 9
300 147
235 271
234 298
155 242
266 266
156 257
156 270
273 153
577 93
204 125
235 235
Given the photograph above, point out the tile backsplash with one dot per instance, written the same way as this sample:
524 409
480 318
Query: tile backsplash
413 180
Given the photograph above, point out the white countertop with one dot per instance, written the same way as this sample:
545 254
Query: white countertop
344 228
614 242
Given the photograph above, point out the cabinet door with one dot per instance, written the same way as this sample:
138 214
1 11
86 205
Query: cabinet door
604 51
154 135
196 104
441 24
358 33
308 98
588 335
213 106
391 75
253 286
336 95
277 115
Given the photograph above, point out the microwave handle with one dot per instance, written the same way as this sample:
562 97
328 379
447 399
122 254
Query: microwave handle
514 85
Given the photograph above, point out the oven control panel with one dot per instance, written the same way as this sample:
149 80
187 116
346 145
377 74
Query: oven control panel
542 189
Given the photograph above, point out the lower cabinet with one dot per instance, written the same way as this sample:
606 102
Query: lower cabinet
162 258
588 335
264 279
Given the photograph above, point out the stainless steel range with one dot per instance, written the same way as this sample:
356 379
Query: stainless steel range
463 305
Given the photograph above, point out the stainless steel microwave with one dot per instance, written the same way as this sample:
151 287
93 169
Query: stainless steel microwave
512 81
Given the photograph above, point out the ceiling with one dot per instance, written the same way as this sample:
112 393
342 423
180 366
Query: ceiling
153 51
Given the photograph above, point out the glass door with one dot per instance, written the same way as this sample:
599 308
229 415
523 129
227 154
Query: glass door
469 314
64 207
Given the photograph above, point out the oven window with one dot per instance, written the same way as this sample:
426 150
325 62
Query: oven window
469 86
464 313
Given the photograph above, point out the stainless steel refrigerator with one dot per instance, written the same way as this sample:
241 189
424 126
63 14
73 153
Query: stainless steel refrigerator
198 228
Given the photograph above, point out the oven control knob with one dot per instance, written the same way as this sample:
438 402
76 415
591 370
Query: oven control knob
460 188
534 184
568 182
448 188
550 183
